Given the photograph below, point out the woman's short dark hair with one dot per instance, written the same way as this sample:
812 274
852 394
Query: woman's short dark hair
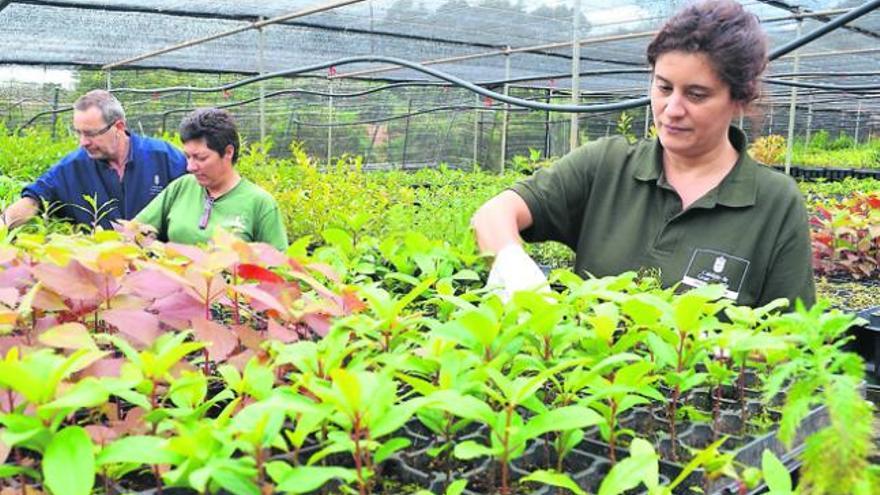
215 125
730 37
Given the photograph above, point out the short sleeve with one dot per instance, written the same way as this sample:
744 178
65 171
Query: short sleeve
557 196
790 273
270 228
156 212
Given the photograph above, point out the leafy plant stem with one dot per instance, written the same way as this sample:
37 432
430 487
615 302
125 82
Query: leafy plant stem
208 301
259 457
21 479
505 442
106 480
447 432
716 410
673 406
29 336
358 459
612 435
158 478
676 393
154 403
741 389
235 304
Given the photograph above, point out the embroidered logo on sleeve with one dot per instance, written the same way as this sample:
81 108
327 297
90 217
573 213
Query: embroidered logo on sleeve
708 266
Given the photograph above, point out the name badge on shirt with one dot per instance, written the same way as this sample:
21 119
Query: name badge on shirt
157 186
708 266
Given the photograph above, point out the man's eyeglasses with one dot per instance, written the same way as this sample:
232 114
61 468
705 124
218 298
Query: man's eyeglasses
94 134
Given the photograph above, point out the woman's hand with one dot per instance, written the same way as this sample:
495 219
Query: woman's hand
513 271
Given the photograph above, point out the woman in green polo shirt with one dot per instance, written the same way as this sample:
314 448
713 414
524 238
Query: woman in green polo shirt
213 194
690 202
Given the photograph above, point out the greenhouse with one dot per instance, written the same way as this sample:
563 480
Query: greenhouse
440 247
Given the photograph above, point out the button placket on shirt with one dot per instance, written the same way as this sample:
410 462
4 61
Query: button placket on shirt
671 206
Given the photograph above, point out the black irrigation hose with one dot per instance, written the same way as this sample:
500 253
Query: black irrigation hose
623 105
825 29
216 89
290 91
493 108
851 88
420 68
825 74
776 53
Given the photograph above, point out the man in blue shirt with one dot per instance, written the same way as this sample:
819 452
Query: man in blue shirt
120 169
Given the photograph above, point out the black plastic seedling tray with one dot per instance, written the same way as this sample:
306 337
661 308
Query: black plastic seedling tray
867 342
590 461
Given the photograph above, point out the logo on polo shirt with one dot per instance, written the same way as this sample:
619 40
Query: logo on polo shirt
720 262
709 266
157 187
236 225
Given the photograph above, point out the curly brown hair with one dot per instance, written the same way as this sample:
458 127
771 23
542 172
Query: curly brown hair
729 36
216 126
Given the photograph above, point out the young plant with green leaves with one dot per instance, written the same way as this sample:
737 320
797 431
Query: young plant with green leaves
96 211
617 390
41 392
510 432
366 410
747 341
718 374
385 322
685 320
435 368
491 330
149 372
819 371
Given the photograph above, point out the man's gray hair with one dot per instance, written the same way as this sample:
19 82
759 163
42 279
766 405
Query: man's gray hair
111 109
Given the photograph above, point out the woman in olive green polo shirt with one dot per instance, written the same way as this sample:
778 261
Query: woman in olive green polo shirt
690 202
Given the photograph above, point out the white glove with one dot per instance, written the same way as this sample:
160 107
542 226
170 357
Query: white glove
513 271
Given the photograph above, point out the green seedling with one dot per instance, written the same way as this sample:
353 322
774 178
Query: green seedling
509 431
41 395
151 369
618 390
445 369
366 410
690 316
387 324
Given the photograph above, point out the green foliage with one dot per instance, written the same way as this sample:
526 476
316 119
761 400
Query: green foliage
69 463
529 164
846 236
836 458
234 390
821 191
28 155
842 152
624 126
768 149
820 151
776 475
